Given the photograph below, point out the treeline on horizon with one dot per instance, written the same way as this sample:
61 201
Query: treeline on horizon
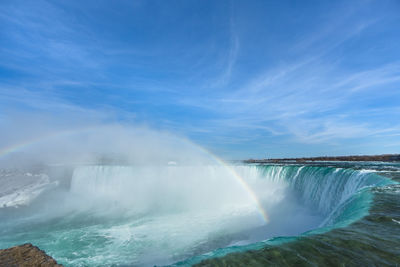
385 157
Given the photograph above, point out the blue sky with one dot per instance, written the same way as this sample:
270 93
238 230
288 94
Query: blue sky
241 78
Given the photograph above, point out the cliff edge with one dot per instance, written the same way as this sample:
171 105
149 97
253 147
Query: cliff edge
26 255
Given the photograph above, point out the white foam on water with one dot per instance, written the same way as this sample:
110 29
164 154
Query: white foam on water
146 215
20 189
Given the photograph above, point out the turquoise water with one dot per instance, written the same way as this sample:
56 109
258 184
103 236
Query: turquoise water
181 215
364 231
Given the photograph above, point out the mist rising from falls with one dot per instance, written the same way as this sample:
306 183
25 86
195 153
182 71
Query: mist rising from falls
122 195
324 189
162 214
161 188
117 195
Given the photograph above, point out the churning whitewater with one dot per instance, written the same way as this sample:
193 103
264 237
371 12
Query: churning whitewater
102 214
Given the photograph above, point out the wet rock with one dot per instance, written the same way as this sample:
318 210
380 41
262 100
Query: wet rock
26 255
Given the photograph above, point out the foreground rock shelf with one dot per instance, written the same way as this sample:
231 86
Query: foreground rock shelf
26 255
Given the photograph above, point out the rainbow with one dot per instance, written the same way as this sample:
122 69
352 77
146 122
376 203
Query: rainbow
37 140
238 178
21 146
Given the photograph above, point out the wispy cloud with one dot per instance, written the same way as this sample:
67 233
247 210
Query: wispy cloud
232 54
311 99
331 80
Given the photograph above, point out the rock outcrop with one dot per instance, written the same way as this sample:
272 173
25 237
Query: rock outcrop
26 255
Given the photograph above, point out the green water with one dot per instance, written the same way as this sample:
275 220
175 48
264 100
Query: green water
321 214
371 240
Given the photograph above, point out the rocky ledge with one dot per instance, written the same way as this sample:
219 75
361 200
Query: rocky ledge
26 255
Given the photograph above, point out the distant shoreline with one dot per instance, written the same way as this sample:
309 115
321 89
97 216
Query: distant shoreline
384 158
